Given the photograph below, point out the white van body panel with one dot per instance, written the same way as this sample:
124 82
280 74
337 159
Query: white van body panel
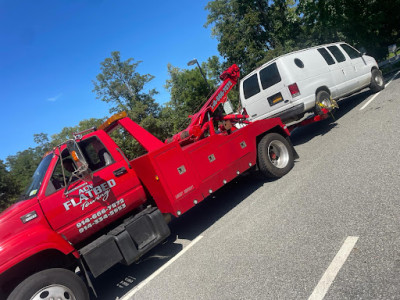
338 73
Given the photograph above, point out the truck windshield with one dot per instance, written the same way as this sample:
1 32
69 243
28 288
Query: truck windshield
37 178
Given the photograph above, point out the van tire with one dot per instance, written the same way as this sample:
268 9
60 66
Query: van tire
322 97
57 283
377 83
274 156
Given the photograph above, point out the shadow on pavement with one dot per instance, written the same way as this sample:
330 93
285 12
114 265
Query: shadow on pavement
304 134
120 279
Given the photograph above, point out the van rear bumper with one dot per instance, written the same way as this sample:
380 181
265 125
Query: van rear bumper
290 113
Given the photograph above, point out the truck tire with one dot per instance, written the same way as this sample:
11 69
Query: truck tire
51 284
324 98
275 156
377 83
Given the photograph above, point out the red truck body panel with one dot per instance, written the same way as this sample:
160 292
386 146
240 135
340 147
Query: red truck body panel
19 241
179 177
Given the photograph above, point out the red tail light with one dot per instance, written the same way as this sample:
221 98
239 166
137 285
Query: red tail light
294 90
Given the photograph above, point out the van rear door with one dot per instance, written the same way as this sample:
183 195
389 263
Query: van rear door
264 93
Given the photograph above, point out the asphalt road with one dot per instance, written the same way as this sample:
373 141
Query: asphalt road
275 240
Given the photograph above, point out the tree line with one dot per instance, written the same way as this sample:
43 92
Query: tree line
249 33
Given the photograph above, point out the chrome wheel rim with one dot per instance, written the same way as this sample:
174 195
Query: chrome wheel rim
379 80
278 154
54 292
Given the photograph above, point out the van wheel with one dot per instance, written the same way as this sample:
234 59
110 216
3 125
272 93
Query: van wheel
51 284
377 83
275 156
322 100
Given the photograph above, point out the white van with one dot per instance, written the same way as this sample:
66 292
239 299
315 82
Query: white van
293 84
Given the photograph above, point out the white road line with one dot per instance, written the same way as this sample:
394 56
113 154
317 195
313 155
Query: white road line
372 99
128 295
329 276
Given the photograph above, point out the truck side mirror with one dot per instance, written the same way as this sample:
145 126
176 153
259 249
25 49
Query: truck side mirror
82 167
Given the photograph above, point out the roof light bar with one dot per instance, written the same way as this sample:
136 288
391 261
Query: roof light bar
112 119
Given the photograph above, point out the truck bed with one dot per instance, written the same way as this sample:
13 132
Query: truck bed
180 177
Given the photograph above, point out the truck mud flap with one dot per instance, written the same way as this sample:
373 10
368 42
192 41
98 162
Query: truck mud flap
127 242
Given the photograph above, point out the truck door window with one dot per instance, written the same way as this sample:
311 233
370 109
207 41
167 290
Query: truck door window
250 86
353 53
95 153
337 53
325 54
269 76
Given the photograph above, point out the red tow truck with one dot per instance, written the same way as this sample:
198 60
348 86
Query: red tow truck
88 207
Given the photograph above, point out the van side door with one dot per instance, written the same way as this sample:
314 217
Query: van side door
361 69
345 76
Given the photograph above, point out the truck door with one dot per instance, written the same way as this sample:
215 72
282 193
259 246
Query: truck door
86 207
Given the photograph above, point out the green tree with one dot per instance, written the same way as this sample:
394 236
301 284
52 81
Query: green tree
371 24
120 84
247 30
22 166
189 91
67 132
8 188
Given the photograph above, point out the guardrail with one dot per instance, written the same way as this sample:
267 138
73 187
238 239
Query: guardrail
391 60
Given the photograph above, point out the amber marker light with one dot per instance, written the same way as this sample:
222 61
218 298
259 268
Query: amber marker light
74 156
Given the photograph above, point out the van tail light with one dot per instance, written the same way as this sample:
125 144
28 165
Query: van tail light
294 90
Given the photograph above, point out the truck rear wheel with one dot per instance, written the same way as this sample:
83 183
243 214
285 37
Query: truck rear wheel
275 156
51 284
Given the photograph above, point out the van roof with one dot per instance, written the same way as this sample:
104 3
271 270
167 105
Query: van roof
287 54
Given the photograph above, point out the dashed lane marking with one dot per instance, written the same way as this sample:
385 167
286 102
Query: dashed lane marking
130 294
330 274
376 95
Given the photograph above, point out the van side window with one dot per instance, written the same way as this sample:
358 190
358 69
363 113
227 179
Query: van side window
337 53
325 54
250 86
95 153
353 53
269 76
299 63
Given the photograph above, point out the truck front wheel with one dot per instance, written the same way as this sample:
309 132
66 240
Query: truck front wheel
51 284
275 156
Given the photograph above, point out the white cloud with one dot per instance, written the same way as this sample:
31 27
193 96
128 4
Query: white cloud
54 99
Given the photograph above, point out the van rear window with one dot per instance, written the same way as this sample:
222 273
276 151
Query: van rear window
325 54
337 53
250 86
269 76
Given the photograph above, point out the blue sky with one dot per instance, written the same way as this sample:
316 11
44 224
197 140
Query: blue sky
51 51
